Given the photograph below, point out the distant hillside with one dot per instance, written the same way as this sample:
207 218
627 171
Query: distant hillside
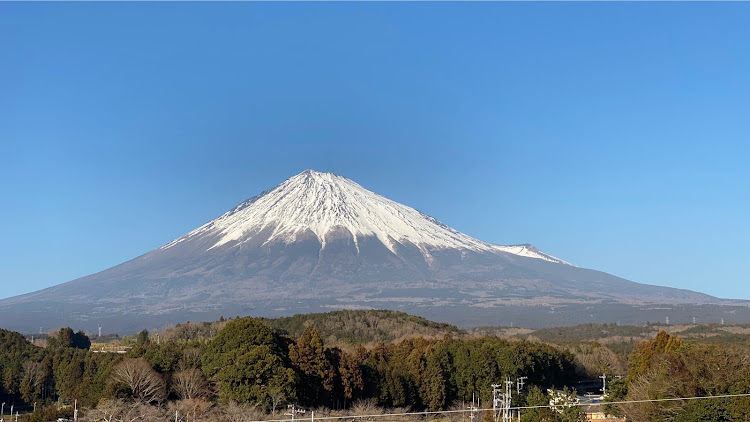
594 332
372 326
337 327
622 339
613 333
607 348
365 326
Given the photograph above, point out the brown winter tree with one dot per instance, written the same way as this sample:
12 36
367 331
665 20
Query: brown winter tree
146 385
189 383
34 375
351 376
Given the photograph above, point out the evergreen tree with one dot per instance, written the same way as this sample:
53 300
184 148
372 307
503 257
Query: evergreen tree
536 397
142 338
308 357
433 384
351 376
66 338
246 359
641 358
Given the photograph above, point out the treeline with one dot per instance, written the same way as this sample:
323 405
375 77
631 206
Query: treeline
364 326
244 365
634 334
65 369
670 367
335 328
248 363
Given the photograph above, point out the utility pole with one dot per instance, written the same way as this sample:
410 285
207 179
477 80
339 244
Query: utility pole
472 408
507 417
502 398
293 410
496 399
520 383
604 384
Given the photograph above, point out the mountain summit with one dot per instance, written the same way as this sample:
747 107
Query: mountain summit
319 241
329 206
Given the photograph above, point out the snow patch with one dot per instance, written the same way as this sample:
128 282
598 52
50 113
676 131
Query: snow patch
319 202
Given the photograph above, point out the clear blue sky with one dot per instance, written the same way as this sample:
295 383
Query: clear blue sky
613 135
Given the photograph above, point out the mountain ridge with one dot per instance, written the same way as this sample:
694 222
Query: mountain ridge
318 242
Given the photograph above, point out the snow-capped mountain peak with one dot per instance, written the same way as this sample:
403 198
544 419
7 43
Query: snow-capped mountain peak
324 203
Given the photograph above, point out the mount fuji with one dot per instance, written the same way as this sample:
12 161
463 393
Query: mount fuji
319 241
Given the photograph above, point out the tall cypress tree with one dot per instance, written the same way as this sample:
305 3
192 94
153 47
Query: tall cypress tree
309 358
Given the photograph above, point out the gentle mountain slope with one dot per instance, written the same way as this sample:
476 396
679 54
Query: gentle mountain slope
319 242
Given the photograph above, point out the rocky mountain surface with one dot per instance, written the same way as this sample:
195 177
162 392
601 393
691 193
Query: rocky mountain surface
319 242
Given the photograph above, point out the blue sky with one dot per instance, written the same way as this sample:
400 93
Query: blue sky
612 135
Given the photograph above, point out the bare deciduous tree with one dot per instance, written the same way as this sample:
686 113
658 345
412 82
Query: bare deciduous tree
366 407
236 413
146 384
653 384
121 411
189 383
33 378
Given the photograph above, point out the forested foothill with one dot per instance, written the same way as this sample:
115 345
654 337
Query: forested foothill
368 362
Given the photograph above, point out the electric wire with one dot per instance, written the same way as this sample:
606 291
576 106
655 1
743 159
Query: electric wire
438 412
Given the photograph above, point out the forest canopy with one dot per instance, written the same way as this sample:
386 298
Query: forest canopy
251 362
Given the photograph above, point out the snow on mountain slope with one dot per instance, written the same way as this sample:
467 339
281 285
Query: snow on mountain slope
319 242
530 251
324 202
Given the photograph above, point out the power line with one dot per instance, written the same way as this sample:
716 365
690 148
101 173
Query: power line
438 412
722 396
